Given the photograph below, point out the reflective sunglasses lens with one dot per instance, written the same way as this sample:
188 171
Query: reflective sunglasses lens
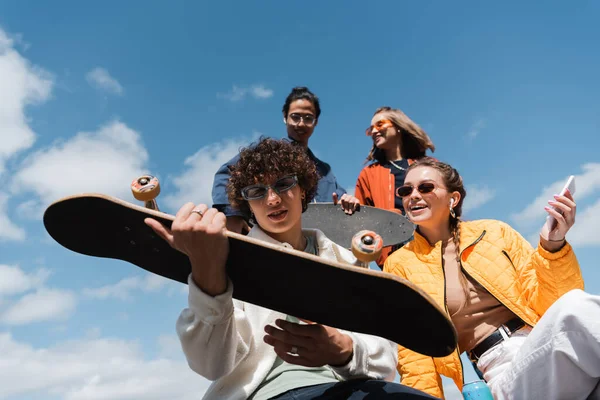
284 184
426 187
253 192
308 119
404 191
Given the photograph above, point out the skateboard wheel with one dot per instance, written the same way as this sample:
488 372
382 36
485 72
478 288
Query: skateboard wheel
145 188
366 246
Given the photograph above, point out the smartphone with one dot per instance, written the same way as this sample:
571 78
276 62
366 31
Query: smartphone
570 185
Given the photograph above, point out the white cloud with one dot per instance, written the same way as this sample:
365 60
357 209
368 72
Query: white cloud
585 230
476 128
105 161
239 93
8 229
14 280
260 92
123 290
43 305
21 84
170 347
477 196
586 184
195 183
107 369
101 79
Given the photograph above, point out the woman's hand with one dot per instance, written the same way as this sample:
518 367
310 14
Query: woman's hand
199 233
553 238
311 345
349 203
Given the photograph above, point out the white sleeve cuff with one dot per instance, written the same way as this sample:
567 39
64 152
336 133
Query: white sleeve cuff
210 309
356 367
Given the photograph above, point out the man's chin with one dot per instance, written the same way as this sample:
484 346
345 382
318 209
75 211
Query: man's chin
300 139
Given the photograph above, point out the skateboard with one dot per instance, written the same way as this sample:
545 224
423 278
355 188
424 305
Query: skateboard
394 228
271 276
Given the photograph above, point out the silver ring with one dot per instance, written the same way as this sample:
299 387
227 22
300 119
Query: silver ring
200 213
294 350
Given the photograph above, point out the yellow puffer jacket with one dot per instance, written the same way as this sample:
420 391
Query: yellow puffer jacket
525 280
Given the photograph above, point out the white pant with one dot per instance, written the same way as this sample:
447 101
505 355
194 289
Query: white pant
558 359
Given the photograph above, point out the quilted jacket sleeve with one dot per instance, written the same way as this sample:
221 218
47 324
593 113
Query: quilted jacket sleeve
544 276
362 190
416 370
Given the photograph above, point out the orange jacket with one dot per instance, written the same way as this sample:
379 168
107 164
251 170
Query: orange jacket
525 280
376 187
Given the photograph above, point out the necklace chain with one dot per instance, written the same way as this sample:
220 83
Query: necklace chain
397 166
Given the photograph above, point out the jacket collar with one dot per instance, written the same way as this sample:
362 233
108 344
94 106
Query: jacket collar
422 249
257 233
311 155
468 234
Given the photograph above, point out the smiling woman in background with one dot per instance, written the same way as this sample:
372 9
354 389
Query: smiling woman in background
397 143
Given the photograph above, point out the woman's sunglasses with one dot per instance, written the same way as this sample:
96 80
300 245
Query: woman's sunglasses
379 125
258 191
423 188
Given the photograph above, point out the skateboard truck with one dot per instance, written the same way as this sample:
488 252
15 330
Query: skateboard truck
146 188
366 246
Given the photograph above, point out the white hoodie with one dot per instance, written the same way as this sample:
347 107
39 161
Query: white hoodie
222 338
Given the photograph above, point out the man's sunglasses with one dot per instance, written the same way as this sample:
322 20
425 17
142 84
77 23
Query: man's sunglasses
423 188
308 119
258 191
379 125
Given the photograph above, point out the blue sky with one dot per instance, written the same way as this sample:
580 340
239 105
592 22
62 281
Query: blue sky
92 95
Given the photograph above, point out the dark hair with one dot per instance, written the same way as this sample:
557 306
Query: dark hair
301 93
453 183
271 159
414 141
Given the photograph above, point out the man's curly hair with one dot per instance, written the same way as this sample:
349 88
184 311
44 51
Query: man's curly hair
268 160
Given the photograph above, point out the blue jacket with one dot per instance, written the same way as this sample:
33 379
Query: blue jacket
326 187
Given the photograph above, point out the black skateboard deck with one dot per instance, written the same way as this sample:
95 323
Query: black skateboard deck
340 227
285 280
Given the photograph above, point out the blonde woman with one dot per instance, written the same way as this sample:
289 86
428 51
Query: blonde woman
397 143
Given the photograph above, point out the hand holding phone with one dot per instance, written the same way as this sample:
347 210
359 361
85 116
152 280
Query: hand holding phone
570 186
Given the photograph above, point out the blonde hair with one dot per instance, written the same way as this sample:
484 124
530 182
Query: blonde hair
414 141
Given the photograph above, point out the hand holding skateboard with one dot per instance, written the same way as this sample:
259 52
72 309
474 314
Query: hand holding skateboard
199 233
349 203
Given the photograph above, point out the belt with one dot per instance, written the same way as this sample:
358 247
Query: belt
500 334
